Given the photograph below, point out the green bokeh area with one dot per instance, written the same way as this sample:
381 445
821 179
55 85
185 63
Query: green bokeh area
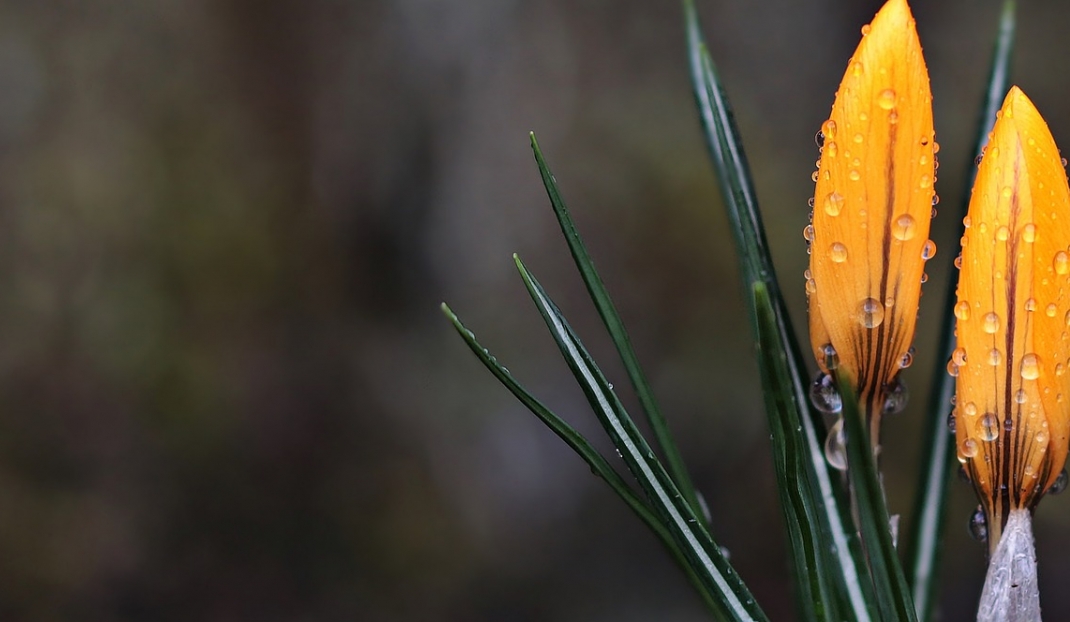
227 391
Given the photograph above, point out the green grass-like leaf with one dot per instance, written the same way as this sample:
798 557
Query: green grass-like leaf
732 598
938 466
674 462
889 582
822 511
598 463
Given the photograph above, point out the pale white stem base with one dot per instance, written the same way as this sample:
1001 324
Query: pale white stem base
1010 593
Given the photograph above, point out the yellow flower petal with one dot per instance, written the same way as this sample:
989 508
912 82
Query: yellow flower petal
872 206
1013 407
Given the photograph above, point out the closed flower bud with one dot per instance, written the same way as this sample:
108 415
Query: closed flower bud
869 238
1013 318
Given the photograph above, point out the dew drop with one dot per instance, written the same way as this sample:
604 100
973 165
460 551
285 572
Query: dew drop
866 29
905 227
1020 397
1030 304
810 202
1030 366
958 261
854 175
977 526
831 149
959 357
832 359
988 427
969 448
870 313
970 409
835 447
929 250
838 252
1041 437
952 369
962 310
951 421
1002 233
908 357
828 128
1029 233
895 397
926 181
1060 483
1062 263
1051 310
813 176
811 286
819 138
893 117
886 99
823 395
858 138
857 68
991 323
995 357
808 233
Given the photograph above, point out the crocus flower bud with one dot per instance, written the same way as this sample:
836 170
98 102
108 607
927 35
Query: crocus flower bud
1013 317
869 235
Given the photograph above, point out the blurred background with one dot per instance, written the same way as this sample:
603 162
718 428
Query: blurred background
226 390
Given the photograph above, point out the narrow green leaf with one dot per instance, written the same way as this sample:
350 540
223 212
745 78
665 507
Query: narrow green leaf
938 464
889 582
599 465
801 513
674 462
843 566
719 579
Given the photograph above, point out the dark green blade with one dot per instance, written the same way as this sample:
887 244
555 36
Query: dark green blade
674 463
840 569
790 460
579 444
719 580
889 582
938 464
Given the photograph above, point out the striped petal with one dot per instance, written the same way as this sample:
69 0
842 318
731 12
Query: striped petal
1013 407
869 237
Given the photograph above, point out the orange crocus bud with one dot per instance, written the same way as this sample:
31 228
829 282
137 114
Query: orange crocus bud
1012 415
869 236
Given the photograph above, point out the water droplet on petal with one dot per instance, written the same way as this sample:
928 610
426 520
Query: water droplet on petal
962 310
828 128
995 357
1030 366
908 357
808 233
832 359
854 175
823 395
1020 397
1002 233
929 250
977 526
991 323
856 69
1062 263
959 357
970 409
988 427
1030 304
870 313
1060 483
838 252
831 149
926 181
1051 310
951 421
905 227
969 448
886 99
895 397
833 203
1029 233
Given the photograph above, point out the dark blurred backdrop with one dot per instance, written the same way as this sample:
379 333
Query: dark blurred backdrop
225 228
